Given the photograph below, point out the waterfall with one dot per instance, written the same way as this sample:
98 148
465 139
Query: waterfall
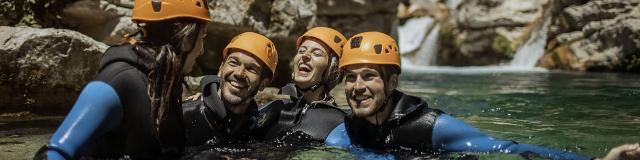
528 54
418 40
426 55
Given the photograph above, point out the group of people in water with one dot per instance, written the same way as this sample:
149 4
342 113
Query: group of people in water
133 107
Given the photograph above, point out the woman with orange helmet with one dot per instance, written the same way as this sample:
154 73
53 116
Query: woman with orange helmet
227 111
315 73
132 107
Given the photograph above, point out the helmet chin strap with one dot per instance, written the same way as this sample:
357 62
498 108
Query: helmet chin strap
387 96
312 88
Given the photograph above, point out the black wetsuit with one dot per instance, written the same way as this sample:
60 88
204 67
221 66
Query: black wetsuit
298 121
414 127
410 125
112 116
210 120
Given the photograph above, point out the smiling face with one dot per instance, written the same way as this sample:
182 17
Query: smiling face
365 88
310 63
240 77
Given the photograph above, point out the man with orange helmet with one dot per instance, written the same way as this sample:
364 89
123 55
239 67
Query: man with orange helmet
227 111
315 73
385 118
132 107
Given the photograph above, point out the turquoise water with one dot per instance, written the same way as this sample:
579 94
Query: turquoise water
584 113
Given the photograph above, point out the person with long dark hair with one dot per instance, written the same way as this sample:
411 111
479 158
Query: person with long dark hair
133 106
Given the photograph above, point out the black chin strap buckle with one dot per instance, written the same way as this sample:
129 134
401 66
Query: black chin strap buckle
312 88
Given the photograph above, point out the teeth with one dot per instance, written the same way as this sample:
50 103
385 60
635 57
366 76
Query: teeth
236 84
304 67
360 98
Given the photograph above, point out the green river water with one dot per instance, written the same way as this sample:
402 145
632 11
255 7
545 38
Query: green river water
586 113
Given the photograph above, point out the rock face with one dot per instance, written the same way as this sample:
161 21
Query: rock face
599 35
487 32
44 68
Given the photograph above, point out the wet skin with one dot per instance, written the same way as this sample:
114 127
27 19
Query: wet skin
366 92
310 63
240 78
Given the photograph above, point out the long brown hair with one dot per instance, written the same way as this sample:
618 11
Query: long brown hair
164 47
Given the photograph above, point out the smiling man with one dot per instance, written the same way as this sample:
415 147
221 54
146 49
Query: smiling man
385 118
227 110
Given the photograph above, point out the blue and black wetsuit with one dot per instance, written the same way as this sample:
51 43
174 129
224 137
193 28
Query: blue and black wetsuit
297 121
210 119
414 126
112 116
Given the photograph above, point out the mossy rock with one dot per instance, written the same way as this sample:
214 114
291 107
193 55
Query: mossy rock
502 45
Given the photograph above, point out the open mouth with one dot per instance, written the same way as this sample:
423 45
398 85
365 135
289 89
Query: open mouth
362 100
304 68
236 84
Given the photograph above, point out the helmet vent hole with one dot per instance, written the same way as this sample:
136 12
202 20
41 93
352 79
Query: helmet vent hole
355 42
337 39
157 5
377 48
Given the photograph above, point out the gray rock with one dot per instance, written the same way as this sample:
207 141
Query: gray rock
291 16
356 7
354 16
45 68
481 14
578 16
487 32
600 35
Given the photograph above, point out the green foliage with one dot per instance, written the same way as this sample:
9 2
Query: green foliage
502 45
632 63
447 37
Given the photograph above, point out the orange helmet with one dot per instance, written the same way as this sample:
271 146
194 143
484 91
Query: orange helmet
257 45
332 38
157 10
370 48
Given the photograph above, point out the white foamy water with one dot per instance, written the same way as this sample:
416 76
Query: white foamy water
529 53
412 33
407 66
427 54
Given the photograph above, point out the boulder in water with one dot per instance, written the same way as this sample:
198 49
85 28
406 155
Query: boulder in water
44 69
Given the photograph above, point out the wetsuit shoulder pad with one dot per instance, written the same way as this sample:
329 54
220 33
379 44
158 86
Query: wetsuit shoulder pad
338 137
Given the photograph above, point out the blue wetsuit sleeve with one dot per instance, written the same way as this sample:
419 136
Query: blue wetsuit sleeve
338 137
453 135
97 110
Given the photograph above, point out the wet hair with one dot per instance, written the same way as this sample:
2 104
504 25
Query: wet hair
164 47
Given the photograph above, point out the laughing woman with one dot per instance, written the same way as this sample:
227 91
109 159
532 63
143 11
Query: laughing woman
311 113
132 107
